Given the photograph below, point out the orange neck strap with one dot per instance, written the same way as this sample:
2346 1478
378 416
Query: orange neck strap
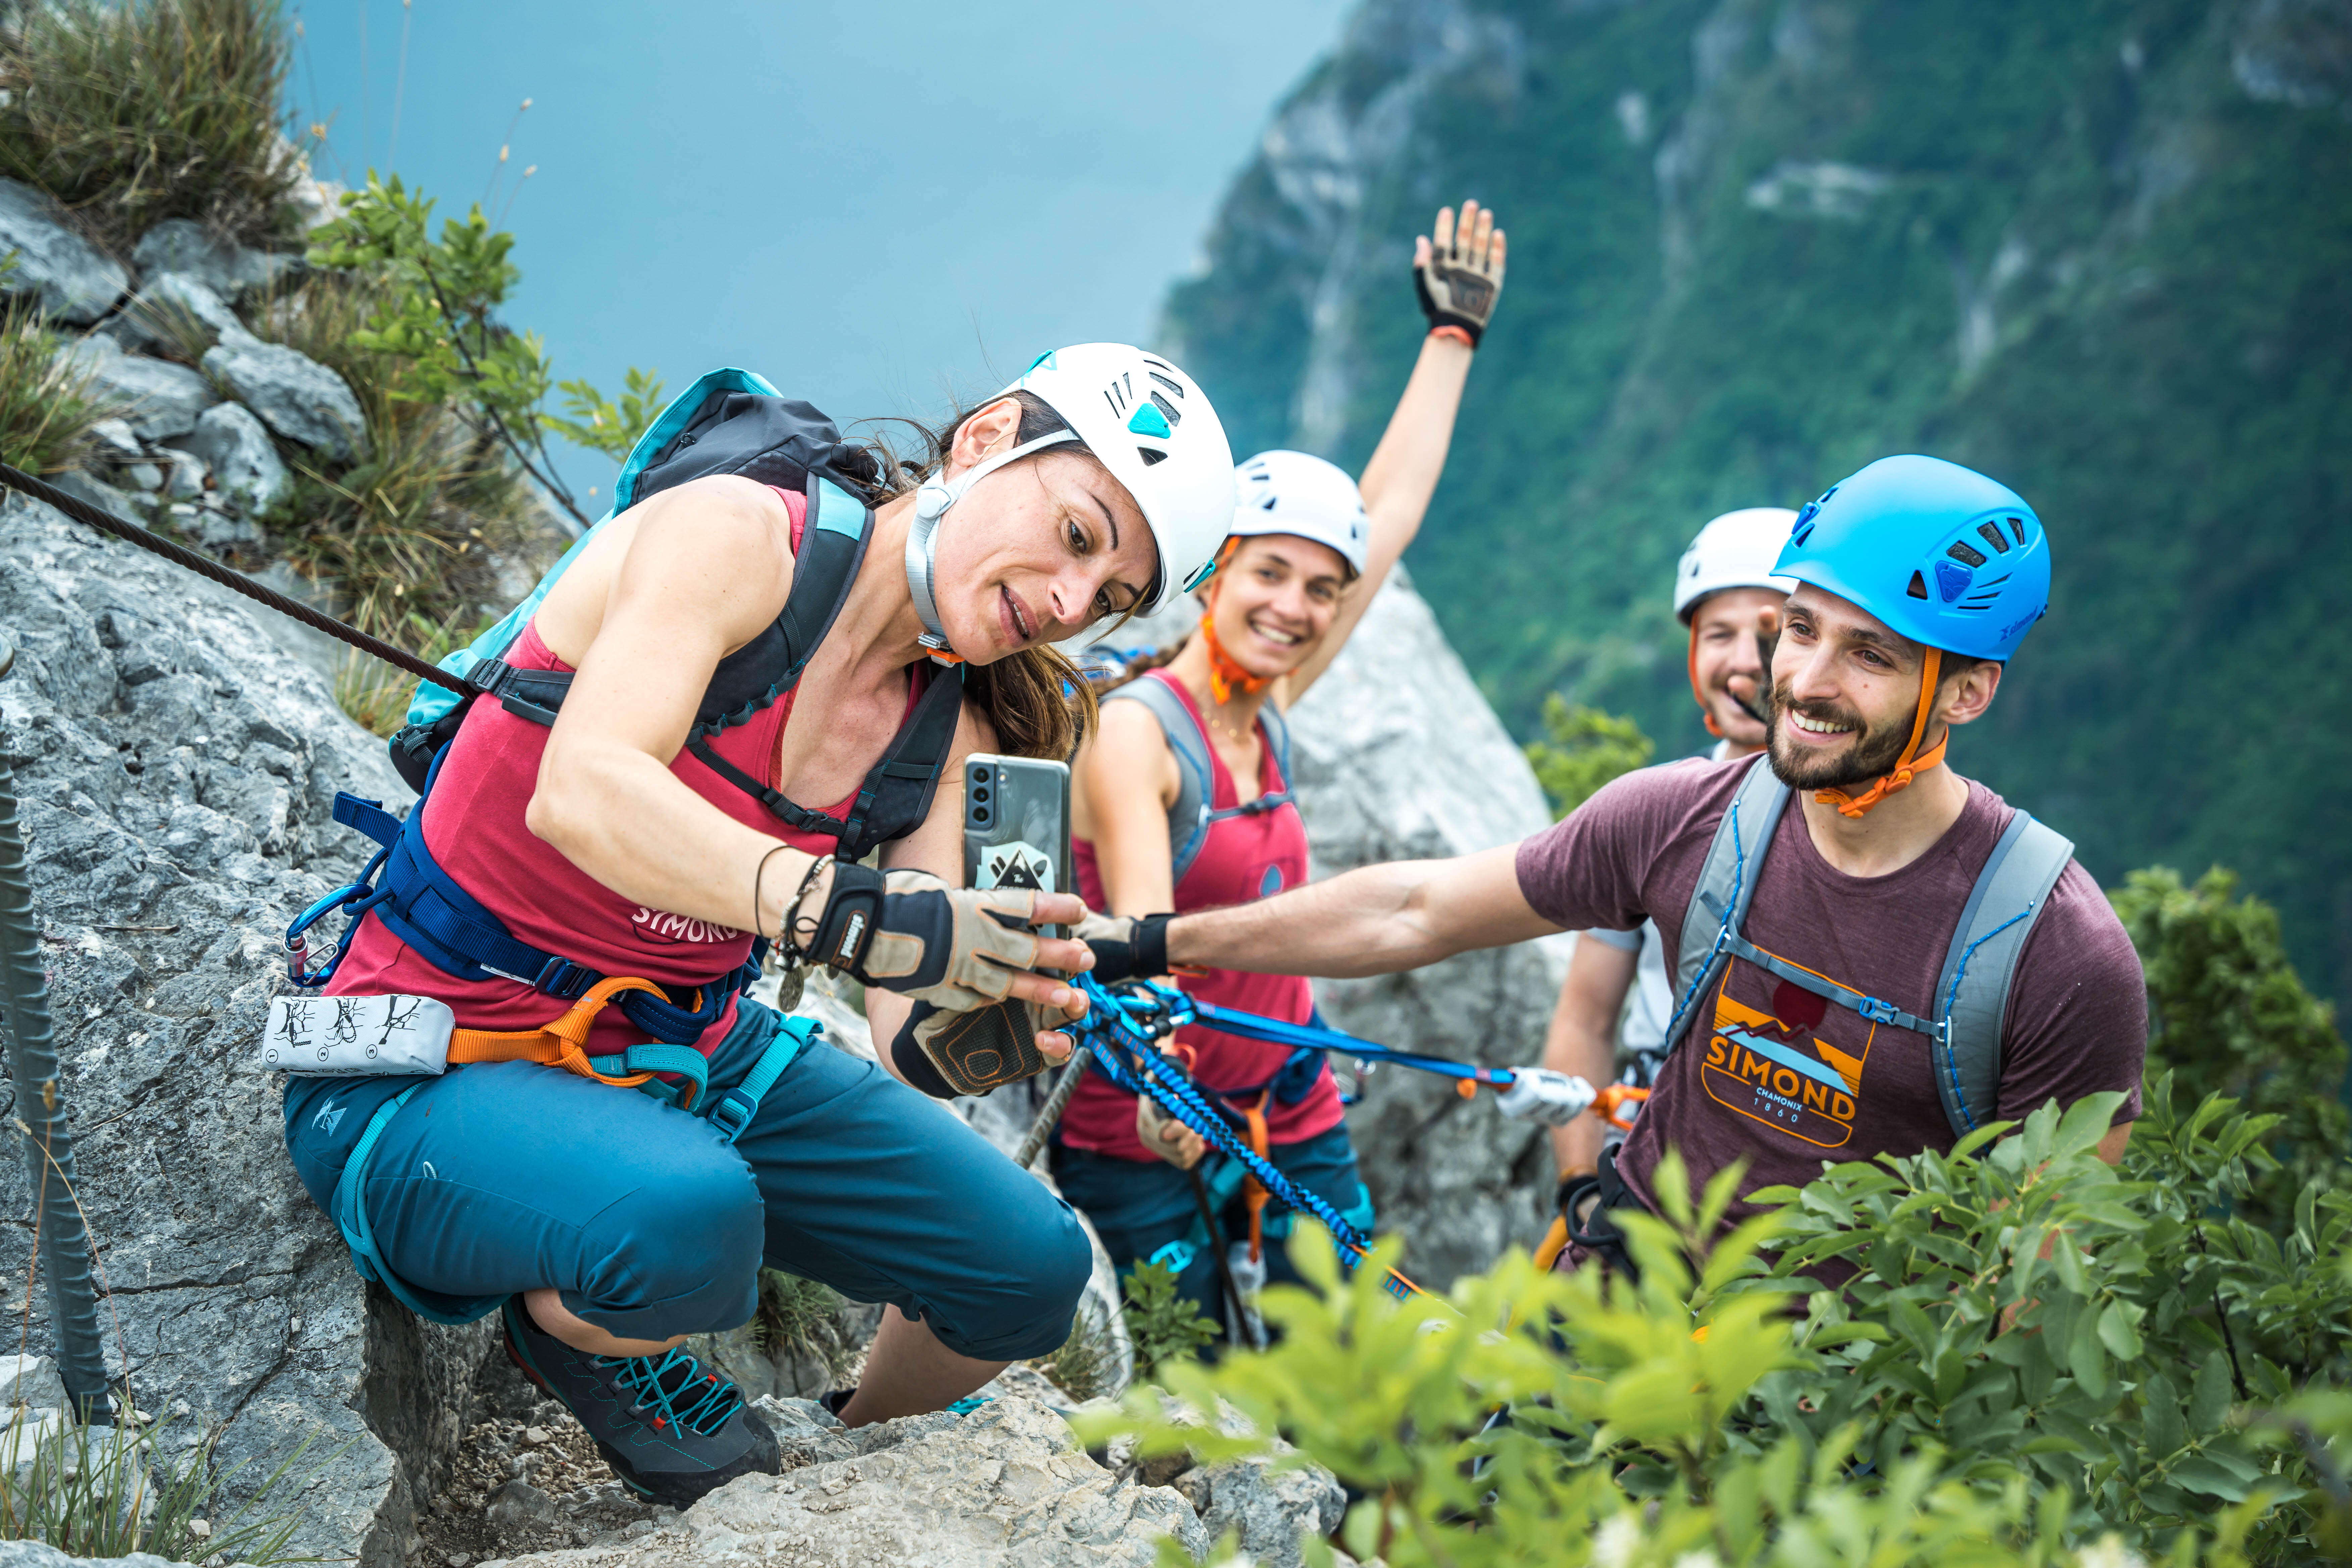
1705 711
1225 673
1911 763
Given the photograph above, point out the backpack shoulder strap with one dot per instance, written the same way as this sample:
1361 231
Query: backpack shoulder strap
1726 885
832 546
1188 818
1971 1000
1277 733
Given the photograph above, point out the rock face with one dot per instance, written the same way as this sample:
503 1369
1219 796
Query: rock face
72 279
1266 1506
167 301
160 399
297 396
174 772
1002 1486
235 447
184 245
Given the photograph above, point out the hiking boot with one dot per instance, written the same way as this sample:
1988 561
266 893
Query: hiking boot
671 1431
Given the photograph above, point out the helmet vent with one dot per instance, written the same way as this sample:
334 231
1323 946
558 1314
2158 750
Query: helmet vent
1268 503
1965 555
1175 418
1150 457
1175 387
1919 588
1801 535
2016 527
1990 533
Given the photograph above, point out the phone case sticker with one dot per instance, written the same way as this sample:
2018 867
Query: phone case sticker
1016 865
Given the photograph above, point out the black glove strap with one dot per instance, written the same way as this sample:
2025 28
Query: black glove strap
1439 316
915 1064
852 913
1141 956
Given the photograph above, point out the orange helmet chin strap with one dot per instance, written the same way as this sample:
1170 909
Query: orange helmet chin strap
1705 710
1225 671
1911 763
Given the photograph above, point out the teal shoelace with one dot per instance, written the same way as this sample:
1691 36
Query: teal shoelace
676 1388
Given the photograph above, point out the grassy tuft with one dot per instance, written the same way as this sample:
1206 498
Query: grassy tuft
799 1317
45 406
136 111
100 1491
1087 1361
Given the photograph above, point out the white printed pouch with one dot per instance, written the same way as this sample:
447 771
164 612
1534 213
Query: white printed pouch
347 1036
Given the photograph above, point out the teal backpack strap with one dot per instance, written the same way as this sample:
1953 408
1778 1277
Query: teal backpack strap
1726 885
1188 818
1972 991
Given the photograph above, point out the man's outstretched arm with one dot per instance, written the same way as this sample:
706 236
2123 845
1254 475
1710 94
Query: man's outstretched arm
1374 921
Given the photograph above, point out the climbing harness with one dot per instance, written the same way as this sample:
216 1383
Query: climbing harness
1971 997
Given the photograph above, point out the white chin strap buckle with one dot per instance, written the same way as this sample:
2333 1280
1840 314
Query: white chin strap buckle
932 500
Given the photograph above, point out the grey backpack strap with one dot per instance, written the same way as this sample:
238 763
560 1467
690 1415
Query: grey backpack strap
1188 818
1726 885
1972 993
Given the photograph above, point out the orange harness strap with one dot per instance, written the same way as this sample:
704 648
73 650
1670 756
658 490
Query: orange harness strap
1907 765
1254 1195
562 1042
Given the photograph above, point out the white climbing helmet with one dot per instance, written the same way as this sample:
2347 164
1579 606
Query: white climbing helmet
1151 426
1737 549
1290 493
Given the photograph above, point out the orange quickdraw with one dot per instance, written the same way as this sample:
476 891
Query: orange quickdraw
1605 1105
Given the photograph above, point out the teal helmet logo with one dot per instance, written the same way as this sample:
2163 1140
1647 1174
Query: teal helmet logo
1942 554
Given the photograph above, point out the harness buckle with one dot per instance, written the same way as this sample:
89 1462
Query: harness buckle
565 980
731 1112
1878 1011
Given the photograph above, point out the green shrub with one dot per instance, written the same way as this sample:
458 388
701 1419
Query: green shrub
1164 1325
1087 1362
45 406
2227 1015
799 1317
1587 748
133 112
2041 1360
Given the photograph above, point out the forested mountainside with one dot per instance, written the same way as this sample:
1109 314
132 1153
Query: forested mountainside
2102 251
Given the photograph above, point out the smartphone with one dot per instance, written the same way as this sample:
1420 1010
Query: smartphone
1016 826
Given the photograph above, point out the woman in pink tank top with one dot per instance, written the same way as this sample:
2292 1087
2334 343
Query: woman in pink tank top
1306 553
683 756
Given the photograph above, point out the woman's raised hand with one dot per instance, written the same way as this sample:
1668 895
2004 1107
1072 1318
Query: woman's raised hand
1459 274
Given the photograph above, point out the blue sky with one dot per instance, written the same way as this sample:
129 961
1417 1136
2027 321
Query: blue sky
876 205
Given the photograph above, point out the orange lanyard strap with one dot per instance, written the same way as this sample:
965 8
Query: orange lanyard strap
563 1043
1253 1193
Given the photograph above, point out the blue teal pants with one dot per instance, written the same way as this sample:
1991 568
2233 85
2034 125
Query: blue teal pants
504 1177
1143 1211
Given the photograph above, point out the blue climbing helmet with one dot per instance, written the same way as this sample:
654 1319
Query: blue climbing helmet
1942 554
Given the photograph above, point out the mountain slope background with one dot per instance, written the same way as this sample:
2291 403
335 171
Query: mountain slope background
2101 250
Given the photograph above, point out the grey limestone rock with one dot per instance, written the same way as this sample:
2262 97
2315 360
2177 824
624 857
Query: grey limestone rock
1000 1487
297 396
166 302
40 1554
98 494
179 245
160 399
72 279
237 447
119 437
175 773
1268 1505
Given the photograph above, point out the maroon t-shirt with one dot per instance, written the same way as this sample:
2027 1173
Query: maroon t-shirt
1776 1075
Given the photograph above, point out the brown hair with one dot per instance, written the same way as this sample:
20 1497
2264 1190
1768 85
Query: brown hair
1037 701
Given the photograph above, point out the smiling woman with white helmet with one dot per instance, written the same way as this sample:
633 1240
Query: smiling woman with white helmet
1184 799
772 616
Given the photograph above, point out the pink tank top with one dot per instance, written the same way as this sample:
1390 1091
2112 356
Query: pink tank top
1242 858
474 827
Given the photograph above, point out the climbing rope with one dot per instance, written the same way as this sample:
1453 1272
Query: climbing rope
205 566
1122 1030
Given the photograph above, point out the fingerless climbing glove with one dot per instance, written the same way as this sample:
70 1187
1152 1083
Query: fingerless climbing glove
907 931
1127 947
1458 288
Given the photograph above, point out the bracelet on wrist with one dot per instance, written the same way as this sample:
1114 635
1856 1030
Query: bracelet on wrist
1459 334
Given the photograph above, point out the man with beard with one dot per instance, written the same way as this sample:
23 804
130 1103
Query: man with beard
1899 956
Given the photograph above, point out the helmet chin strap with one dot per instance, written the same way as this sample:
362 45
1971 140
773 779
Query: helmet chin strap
1705 710
932 500
1911 763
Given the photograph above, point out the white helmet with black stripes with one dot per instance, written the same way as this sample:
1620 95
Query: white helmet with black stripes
1291 492
1151 425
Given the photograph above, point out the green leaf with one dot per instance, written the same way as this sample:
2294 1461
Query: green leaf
2199 1473
2209 1395
2118 1333
2160 1417
2086 1357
